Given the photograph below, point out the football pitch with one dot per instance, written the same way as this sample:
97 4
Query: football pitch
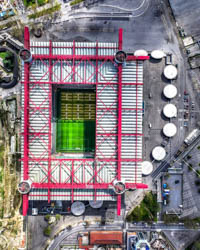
76 122
75 136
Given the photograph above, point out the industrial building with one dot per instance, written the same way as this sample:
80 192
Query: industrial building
82 121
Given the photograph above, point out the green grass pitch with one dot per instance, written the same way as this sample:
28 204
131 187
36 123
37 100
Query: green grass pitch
76 121
75 136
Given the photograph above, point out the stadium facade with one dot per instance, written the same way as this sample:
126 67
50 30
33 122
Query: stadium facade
82 121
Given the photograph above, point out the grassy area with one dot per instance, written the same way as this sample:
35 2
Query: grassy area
1 162
45 12
2 156
76 2
146 211
3 55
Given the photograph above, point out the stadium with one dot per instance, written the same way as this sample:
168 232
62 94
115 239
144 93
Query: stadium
82 121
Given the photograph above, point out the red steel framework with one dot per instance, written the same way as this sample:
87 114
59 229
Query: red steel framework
95 182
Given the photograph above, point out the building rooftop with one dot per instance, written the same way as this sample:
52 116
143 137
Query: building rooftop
106 238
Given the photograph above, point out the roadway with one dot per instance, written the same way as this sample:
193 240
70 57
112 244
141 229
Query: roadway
165 164
126 227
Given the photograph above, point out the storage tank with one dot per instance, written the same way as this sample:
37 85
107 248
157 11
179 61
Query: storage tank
170 72
96 204
147 167
157 54
170 110
170 91
140 52
158 153
77 208
170 129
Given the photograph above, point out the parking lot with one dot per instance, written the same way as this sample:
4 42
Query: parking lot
154 83
191 195
174 185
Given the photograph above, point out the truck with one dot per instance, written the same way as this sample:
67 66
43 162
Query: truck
192 136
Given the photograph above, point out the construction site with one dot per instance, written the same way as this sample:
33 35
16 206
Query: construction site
82 122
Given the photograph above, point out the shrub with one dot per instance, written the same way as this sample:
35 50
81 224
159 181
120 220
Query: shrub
76 2
197 182
189 157
28 2
42 2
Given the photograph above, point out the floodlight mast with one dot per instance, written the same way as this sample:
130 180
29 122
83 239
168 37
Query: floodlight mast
72 182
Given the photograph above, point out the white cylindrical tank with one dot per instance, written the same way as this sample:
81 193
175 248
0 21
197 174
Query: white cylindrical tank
170 110
170 91
157 54
78 208
147 167
158 153
169 129
170 72
140 52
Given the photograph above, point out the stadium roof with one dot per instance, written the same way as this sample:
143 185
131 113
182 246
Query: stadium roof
119 109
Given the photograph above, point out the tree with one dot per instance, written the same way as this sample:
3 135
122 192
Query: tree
147 211
58 216
47 217
197 182
196 246
47 231
198 173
